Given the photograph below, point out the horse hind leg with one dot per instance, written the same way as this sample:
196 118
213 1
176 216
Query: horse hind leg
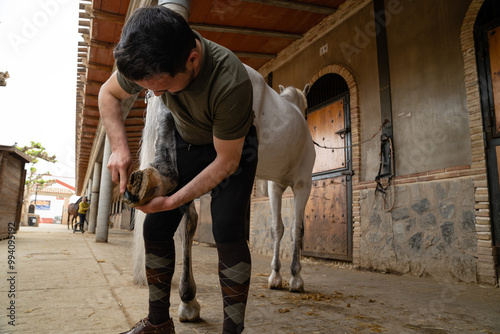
189 308
301 195
277 230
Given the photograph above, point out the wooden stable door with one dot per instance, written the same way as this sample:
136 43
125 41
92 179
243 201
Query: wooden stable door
326 229
324 124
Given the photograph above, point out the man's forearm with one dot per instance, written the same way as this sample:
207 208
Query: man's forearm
208 179
111 111
204 182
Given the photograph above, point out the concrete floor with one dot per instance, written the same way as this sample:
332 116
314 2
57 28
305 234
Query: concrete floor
68 283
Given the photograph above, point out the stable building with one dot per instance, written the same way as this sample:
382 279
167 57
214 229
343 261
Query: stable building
12 178
404 108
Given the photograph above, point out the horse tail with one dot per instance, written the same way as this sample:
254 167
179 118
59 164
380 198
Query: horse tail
150 131
146 156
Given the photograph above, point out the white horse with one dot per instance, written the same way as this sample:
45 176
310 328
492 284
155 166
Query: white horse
286 158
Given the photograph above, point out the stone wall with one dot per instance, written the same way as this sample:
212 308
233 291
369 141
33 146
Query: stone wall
429 232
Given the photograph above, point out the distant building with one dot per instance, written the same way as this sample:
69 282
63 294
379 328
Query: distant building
12 177
52 202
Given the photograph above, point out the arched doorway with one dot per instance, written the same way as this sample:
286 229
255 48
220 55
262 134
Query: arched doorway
487 40
328 221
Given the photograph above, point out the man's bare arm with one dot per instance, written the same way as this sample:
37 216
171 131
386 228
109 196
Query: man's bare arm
225 164
111 96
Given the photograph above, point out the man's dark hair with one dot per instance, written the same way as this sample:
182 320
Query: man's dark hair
155 40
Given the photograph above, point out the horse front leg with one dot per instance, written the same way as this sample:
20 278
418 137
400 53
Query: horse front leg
277 230
161 177
300 200
189 309
139 255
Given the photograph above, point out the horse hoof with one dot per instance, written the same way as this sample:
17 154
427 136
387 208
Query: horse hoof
144 185
275 281
296 284
190 311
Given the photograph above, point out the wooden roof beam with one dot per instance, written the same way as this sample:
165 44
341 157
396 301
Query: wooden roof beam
102 45
297 6
83 30
245 31
90 96
134 121
104 16
134 135
255 55
83 4
133 128
94 83
83 15
91 115
133 110
96 66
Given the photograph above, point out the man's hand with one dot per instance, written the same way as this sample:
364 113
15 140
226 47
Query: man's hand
120 166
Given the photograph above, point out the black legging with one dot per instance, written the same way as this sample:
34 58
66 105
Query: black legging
82 221
230 199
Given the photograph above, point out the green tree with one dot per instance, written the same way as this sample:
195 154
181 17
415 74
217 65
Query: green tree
35 180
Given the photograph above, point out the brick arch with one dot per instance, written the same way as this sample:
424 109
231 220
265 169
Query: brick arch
485 267
348 76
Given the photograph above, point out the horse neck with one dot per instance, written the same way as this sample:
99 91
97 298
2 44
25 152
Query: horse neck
298 100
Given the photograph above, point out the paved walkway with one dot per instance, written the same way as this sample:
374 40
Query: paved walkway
65 283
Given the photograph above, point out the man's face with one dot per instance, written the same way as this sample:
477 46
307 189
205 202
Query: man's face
165 83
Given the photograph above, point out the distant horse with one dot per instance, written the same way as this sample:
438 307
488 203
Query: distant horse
286 158
73 211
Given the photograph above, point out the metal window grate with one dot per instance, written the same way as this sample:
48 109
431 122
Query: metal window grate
326 88
490 12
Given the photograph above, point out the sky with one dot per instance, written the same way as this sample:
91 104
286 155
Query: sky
38 47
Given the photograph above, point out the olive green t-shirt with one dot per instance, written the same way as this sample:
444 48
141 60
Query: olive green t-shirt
218 102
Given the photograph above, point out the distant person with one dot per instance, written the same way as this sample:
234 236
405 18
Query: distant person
82 212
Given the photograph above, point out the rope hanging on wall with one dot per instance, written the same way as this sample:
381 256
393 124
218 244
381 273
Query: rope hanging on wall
354 145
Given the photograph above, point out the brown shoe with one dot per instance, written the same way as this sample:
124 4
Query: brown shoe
145 327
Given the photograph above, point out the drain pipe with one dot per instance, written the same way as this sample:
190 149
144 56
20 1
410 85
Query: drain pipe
385 93
182 7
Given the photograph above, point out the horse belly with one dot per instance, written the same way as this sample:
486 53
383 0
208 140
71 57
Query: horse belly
281 155
275 167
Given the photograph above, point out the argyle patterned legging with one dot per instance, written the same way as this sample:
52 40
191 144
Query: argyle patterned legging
230 207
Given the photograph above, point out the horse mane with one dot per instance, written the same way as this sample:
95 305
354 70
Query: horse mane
78 202
304 100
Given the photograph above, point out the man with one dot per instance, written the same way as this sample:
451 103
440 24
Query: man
83 206
209 94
